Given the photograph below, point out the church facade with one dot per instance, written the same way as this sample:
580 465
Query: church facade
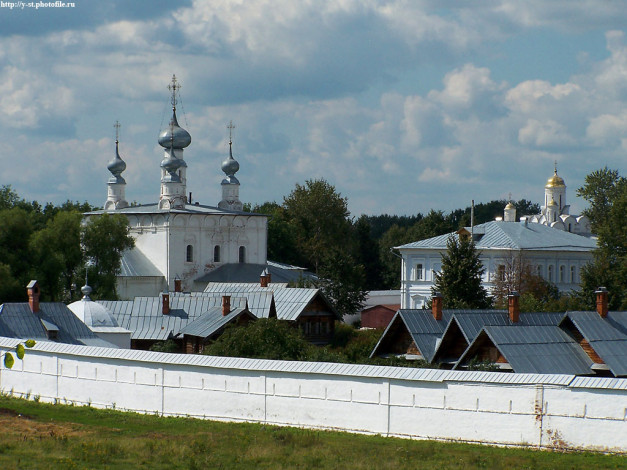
177 241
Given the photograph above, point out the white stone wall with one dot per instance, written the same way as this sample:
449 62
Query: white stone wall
506 409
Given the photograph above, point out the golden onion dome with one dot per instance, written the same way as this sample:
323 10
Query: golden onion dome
555 181
510 206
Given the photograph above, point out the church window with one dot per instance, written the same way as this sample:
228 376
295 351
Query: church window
216 254
242 254
539 270
190 254
573 274
550 273
418 273
562 273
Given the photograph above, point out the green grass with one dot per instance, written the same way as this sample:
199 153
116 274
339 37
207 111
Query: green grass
36 435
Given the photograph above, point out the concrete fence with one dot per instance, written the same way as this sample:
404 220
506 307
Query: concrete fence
545 411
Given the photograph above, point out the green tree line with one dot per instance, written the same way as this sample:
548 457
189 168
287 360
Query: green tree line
49 243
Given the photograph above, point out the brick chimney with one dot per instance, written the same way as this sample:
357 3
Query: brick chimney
436 306
165 303
602 296
33 296
226 305
263 279
177 285
513 307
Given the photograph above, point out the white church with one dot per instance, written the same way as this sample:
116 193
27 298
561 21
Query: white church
554 243
176 241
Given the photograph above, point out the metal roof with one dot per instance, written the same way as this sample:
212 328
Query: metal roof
144 317
290 302
187 209
135 263
514 236
536 349
471 322
605 335
210 322
251 272
18 321
356 370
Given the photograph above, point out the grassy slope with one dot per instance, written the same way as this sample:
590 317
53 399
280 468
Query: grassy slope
58 436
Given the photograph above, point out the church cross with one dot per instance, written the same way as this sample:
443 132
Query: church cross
117 130
230 127
174 87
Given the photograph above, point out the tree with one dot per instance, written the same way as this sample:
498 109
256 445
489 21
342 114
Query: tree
606 191
104 238
459 281
342 282
368 255
320 218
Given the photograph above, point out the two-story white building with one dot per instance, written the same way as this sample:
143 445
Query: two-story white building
556 255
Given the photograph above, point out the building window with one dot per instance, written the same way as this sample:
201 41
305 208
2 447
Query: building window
418 273
242 254
562 273
550 273
500 272
216 254
190 254
573 274
539 270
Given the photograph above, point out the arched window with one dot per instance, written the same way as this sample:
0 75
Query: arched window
242 254
190 254
572 274
539 270
216 254
562 273
550 273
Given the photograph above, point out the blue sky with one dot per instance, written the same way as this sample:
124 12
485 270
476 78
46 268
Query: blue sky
402 105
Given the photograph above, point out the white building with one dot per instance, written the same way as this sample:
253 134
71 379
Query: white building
555 255
177 241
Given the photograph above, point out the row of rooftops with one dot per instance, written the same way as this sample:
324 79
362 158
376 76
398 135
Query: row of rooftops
579 343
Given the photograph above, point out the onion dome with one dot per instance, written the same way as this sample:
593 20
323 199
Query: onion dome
555 181
510 206
170 164
86 290
230 166
116 166
174 136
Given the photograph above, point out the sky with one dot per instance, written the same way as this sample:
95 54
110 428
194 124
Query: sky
403 105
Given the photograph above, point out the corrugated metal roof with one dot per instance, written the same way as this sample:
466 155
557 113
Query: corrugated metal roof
605 336
250 273
210 322
135 263
471 322
538 349
290 302
18 321
515 236
264 365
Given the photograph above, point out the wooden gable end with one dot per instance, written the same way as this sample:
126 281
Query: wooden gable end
574 332
397 340
453 344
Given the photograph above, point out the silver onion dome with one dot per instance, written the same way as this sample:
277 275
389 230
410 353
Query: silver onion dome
86 290
174 136
170 164
116 166
230 166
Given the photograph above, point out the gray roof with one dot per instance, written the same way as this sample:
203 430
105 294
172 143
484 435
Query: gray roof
534 349
18 321
291 302
135 263
251 272
187 209
425 330
211 322
515 236
471 322
607 336
144 318
260 303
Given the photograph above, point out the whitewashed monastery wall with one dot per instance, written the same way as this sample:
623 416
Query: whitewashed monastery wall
549 411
